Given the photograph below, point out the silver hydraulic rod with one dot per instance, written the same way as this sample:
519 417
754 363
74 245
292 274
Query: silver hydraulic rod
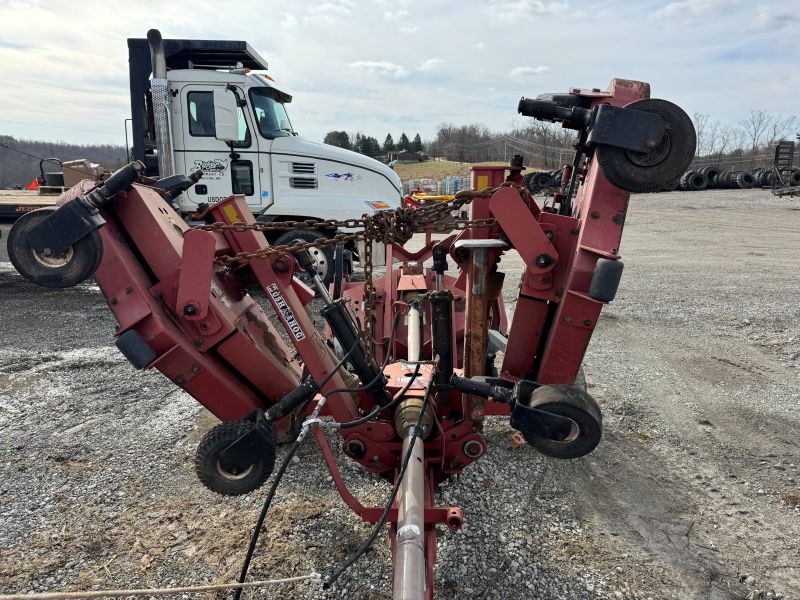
410 571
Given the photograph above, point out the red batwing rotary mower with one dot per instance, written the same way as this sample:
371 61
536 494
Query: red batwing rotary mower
409 398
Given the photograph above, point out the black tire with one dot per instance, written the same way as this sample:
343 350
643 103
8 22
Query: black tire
323 257
684 180
671 187
698 182
794 178
538 182
650 171
726 179
225 480
745 180
710 173
574 403
526 180
75 265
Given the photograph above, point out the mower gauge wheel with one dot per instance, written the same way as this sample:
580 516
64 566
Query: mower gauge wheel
231 480
586 421
664 163
77 263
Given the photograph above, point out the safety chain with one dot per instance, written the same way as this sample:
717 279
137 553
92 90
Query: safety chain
387 226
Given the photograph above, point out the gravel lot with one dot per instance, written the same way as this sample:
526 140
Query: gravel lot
693 492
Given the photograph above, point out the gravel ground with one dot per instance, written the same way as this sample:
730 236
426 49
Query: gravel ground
692 494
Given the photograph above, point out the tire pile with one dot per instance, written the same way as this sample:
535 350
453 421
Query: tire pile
712 177
691 181
542 181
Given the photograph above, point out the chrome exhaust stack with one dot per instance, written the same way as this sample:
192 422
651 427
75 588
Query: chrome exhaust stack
162 104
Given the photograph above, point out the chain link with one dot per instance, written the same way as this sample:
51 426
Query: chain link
387 226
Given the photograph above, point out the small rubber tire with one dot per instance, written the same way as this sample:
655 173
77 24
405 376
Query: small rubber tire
650 171
323 257
214 475
577 405
76 264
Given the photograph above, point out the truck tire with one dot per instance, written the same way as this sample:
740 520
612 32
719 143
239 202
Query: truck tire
323 257
76 264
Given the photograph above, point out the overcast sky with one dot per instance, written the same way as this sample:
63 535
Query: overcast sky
404 65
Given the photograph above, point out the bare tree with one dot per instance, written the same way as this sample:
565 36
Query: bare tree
780 129
700 122
756 126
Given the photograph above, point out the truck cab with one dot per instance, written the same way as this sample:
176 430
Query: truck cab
210 106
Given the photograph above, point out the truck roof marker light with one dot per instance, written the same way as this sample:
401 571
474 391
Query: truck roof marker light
269 77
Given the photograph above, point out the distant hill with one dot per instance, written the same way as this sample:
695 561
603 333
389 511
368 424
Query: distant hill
18 169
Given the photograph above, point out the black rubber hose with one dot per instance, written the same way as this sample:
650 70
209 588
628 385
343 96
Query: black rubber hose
275 482
380 408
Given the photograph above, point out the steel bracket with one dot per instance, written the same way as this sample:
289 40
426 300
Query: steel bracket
626 128
64 227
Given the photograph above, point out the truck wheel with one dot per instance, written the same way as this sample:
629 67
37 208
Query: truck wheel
322 257
583 412
225 479
77 263
650 171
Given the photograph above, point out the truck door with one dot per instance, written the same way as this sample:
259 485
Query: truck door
222 175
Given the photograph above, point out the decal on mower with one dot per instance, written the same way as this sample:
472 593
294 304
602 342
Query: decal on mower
286 312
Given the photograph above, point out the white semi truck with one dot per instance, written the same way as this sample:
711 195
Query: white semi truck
206 108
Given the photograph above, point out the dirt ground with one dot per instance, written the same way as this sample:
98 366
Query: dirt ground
692 494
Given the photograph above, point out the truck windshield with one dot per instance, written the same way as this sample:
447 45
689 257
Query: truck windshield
270 113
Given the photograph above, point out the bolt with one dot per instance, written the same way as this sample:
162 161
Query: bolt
190 309
595 214
587 322
549 235
47 252
652 143
544 260
280 265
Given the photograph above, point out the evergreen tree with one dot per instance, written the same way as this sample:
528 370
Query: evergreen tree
403 143
416 144
371 147
388 144
338 138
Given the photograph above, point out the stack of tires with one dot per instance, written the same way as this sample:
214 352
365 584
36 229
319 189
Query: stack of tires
712 177
542 181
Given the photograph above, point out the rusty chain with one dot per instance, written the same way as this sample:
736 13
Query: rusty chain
386 226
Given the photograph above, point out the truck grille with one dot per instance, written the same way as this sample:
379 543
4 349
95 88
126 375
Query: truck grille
303 183
300 168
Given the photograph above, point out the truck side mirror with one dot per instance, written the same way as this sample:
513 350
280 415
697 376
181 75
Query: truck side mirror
226 118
